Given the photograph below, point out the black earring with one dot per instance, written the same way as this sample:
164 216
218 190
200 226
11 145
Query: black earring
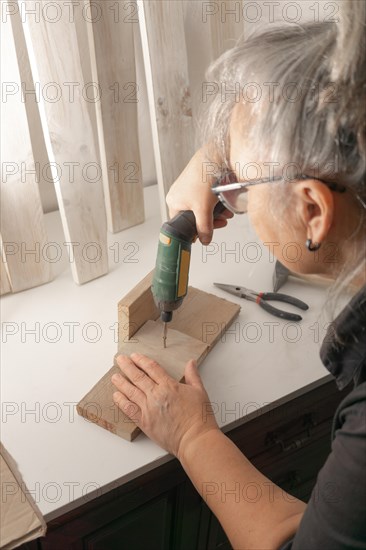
312 247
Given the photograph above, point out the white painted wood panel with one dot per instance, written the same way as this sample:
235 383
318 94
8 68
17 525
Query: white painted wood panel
166 67
30 93
5 287
226 19
70 136
22 225
115 71
210 28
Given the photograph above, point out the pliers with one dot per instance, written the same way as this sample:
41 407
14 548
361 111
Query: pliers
261 298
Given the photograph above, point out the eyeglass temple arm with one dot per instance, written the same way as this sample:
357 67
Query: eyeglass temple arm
216 189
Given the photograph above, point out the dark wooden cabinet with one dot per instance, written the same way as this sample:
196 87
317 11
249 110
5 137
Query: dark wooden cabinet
161 509
150 526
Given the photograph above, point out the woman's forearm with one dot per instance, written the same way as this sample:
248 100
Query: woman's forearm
254 512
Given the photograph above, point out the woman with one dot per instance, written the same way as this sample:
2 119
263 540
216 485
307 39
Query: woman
304 135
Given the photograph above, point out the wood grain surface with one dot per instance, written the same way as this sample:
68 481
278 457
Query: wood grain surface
31 102
227 24
22 226
71 141
98 405
5 287
135 309
115 72
166 69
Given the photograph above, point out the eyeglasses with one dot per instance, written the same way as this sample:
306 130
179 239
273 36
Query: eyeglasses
234 194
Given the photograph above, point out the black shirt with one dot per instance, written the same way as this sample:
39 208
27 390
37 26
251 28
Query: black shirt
335 517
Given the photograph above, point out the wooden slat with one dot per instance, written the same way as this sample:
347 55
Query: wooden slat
166 69
86 51
5 287
226 20
211 28
22 225
46 187
70 139
114 69
4 280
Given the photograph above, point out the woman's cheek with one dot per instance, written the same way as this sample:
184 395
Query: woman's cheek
260 214
280 235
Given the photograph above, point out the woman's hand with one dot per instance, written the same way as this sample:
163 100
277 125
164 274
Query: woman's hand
170 413
192 191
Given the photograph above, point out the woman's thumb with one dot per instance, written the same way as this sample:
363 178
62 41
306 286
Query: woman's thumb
191 376
204 224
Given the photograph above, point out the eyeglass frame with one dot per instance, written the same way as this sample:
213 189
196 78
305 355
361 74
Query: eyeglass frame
218 189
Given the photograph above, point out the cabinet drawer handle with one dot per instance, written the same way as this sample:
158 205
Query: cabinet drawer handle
294 444
273 438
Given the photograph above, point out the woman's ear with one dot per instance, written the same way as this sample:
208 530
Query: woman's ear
314 208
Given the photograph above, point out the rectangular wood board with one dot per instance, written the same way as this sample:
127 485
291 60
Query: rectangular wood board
98 405
196 327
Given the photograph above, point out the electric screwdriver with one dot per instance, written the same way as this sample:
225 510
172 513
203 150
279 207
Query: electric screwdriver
170 281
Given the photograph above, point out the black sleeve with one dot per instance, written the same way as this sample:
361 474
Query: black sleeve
335 518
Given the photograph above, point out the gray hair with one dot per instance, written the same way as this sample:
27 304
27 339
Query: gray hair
319 130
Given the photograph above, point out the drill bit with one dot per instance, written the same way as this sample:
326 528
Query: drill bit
165 334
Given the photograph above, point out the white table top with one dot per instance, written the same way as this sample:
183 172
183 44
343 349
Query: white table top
65 460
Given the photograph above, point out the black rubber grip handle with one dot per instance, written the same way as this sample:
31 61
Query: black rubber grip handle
183 225
275 296
278 312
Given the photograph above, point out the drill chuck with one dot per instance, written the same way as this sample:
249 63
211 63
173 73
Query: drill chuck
166 316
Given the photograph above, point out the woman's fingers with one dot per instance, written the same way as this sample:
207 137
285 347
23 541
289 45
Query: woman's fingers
204 221
191 375
219 224
133 393
168 410
136 375
227 214
150 367
132 410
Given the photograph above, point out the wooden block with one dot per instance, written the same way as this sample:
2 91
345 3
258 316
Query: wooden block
72 144
22 229
196 327
202 315
97 406
115 72
135 309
